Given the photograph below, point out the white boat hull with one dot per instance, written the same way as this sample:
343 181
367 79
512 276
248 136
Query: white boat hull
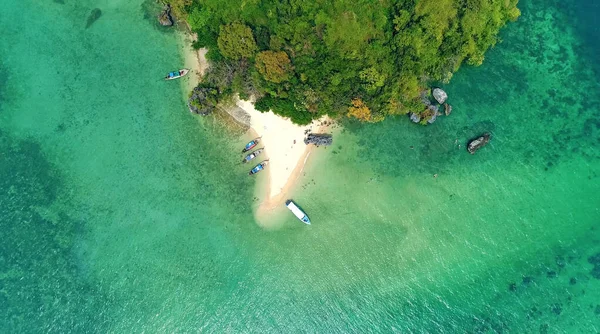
182 73
297 212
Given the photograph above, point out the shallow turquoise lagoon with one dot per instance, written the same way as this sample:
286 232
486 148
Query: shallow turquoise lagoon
121 212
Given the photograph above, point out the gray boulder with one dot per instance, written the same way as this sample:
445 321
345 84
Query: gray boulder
447 109
439 95
432 118
414 117
425 99
434 114
318 139
478 142
165 18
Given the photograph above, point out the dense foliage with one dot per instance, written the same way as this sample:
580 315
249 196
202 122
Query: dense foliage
275 66
305 58
236 41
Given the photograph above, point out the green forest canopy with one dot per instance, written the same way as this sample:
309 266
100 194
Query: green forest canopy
319 57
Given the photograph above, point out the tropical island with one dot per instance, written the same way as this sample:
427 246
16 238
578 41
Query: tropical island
365 59
286 68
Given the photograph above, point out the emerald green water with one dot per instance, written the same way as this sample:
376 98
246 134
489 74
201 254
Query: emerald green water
121 212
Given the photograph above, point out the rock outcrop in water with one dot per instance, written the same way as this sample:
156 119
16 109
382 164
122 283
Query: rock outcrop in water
414 117
202 101
432 109
321 139
478 143
93 17
433 113
425 98
447 109
164 18
439 95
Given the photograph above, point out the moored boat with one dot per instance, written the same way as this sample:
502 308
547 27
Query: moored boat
177 74
297 212
253 155
478 142
251 144
258 167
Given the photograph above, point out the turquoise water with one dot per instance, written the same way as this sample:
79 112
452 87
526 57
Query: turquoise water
121 212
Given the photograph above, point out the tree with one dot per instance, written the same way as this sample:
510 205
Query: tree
198 18
275 66
203 100
179 6
236 41
371 78
359 110
513 14
385 51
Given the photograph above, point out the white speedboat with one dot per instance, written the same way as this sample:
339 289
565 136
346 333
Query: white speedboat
297 212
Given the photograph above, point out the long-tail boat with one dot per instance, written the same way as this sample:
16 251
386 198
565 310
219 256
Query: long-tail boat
253 155
177 74
258 167
251 144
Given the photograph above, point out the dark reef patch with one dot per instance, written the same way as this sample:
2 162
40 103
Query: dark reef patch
534 313
93 17
586 12
595 261
149 9
527 280
62 127
3 83
483 126
556 308
590 125
37 247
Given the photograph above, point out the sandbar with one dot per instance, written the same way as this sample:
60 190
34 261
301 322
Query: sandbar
285 149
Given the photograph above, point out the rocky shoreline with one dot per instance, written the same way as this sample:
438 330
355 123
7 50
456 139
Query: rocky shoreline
199 101
318 139
432 108
165 18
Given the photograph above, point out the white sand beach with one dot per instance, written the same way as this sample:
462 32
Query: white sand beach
194 60
285 149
